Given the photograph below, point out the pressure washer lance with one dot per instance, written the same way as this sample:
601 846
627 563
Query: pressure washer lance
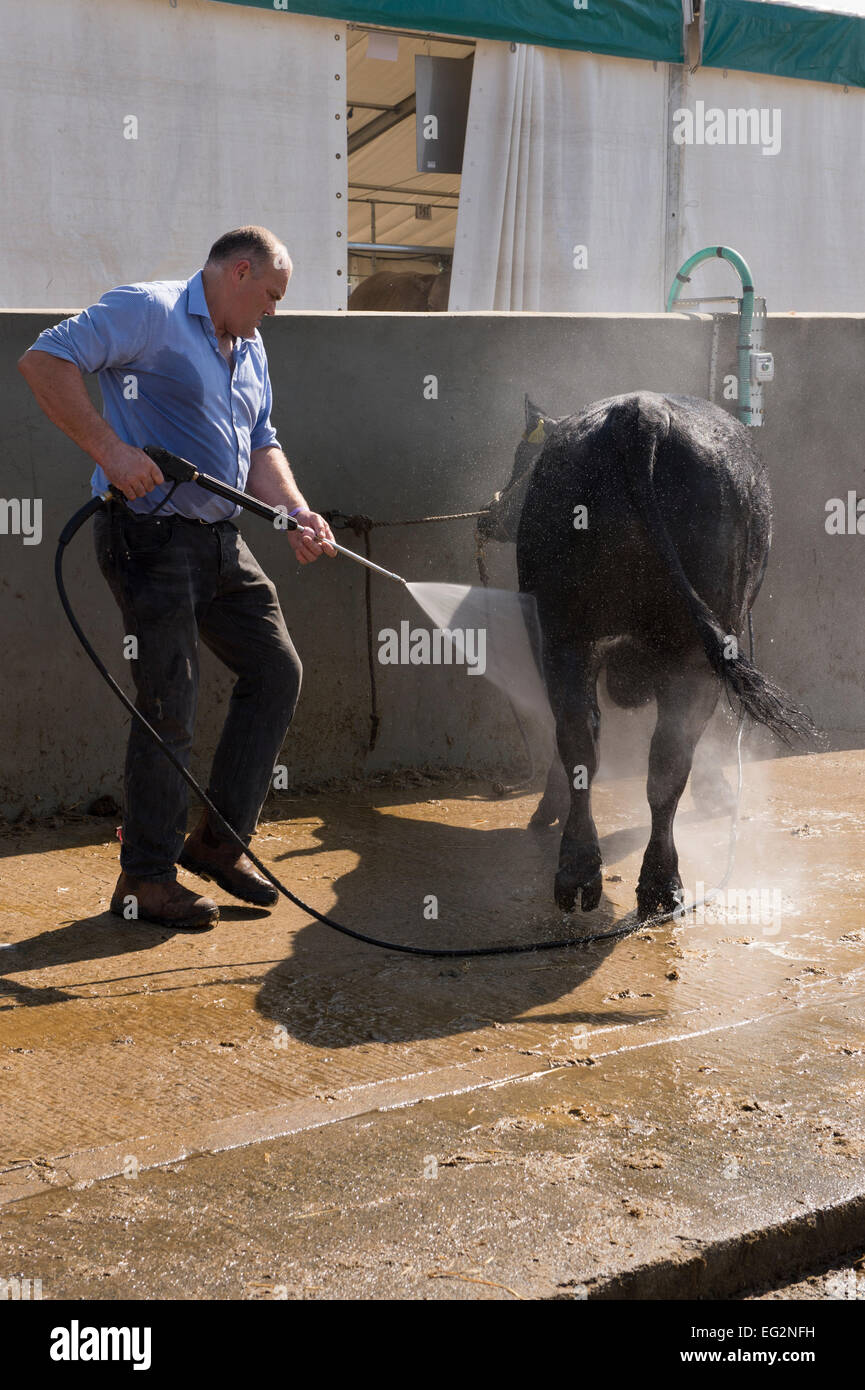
181 471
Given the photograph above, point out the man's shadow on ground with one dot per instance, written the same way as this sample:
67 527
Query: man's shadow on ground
489 886
86 940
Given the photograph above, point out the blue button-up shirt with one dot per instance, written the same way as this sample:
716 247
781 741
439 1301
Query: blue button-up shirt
164 381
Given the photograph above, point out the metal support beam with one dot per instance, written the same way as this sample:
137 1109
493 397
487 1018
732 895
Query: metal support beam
402 203
380 124
374 248
411 34
411 192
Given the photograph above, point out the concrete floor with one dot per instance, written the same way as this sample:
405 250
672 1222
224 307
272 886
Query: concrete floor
843 1280
608 1121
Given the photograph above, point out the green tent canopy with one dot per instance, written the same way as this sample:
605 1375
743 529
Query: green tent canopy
651 29
822 42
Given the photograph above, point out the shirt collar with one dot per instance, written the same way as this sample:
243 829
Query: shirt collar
196 303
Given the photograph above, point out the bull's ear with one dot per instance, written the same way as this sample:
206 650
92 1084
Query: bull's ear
534 422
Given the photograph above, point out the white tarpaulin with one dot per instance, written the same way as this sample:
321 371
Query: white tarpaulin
132 134
566 150
798 215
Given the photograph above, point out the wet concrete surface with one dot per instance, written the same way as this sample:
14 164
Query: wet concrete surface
615 1181
709 1073
840 1281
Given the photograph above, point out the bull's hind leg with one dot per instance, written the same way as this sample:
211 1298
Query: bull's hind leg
573 697
711 792
554 803
686 699
556 800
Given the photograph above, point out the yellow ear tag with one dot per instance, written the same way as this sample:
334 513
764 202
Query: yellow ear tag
537 434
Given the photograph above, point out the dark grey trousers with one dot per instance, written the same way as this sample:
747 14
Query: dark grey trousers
175 581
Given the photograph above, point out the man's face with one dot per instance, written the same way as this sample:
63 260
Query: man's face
253 295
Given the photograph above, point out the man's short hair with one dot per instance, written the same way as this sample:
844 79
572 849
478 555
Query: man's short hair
256 244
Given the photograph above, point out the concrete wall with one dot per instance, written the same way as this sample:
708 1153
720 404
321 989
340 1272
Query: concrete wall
352 416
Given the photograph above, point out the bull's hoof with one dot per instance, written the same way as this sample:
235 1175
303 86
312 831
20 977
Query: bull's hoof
567 887
658 897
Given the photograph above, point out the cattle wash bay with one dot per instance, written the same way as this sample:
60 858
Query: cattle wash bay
267 1110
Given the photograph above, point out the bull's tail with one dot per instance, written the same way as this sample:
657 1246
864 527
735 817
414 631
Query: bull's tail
638 426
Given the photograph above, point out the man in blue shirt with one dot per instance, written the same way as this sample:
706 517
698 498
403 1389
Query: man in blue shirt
181 365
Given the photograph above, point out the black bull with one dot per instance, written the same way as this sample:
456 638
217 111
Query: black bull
654 581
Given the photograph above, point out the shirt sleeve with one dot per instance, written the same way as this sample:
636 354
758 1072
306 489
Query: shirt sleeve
112 333
263 432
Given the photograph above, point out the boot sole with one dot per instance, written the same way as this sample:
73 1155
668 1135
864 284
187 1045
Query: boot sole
202 923
209 875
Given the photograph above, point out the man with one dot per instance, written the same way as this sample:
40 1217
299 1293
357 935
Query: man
181 365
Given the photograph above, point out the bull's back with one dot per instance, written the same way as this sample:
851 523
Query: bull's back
603 567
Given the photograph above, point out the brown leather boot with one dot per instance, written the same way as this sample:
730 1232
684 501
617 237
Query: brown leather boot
211 856
169 903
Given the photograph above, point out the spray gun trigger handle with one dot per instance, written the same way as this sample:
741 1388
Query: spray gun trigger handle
171 465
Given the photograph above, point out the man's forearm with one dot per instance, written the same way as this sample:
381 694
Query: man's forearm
272 481
60 392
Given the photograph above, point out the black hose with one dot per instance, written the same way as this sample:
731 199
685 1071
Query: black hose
69 530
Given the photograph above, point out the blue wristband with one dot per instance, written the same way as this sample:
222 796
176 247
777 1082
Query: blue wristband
296 510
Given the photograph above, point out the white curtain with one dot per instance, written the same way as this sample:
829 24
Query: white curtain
563 151
234 112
